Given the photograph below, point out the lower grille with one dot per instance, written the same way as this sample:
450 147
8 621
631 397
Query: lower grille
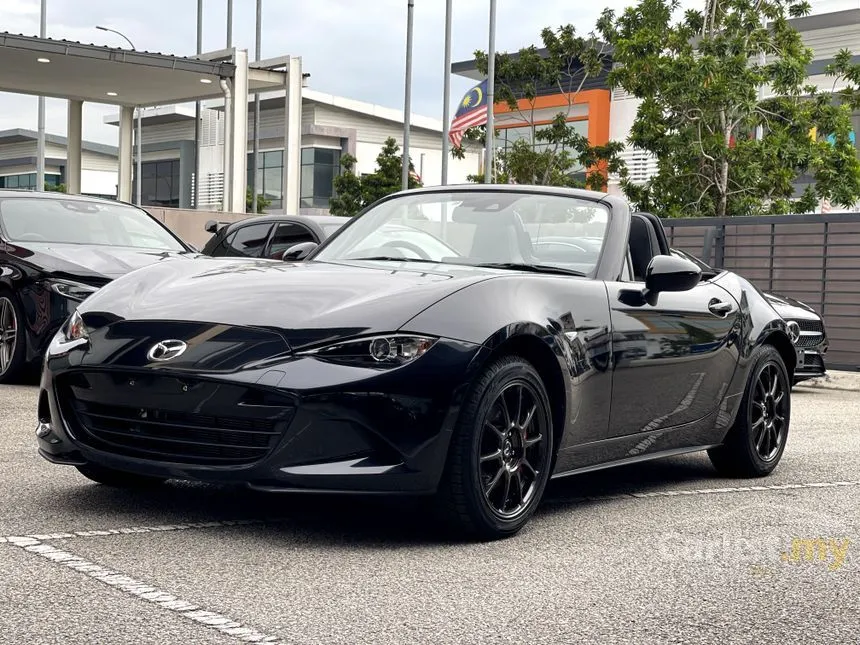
812 363
175 419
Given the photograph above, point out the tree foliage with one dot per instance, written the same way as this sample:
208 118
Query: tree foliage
262 202
552 152
354 193
720 148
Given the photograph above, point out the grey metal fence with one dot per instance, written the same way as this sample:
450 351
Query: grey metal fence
813 258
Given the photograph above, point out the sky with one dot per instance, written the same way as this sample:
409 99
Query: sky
351 48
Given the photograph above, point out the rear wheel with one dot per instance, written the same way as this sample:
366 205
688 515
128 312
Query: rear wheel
501 452
11 339
757 439
118 478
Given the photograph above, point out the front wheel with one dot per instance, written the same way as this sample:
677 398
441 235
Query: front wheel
501 452
12 339
118 478
757 439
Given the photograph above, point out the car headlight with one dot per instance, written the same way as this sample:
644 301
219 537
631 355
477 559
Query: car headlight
76 291
75 329
390 350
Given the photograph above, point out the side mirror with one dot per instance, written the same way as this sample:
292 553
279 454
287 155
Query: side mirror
211 226
298 252
671 273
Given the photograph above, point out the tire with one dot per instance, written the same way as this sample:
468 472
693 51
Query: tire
517 452
118 478
12 348
751 450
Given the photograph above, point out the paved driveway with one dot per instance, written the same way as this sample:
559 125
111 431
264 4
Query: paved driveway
664 552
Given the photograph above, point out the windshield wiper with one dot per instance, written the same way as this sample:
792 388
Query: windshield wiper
389 258
534 268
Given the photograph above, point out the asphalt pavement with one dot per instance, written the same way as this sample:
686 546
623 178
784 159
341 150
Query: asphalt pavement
663 552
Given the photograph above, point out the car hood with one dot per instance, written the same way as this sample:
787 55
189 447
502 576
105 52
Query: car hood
788 307
92 261
304 302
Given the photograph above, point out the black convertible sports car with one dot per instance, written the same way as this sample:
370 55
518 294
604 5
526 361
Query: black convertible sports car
55 251
453 360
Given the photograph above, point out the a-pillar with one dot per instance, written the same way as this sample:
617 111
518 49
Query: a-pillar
126 128
73 147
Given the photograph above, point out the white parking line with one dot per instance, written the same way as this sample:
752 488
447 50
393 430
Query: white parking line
42 537
136 588
703 491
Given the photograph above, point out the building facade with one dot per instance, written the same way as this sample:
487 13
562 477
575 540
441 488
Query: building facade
18 159
331 127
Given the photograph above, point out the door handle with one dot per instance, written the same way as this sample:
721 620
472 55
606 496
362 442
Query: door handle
720 308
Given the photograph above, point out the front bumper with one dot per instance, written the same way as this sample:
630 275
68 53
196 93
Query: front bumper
810 365
300 425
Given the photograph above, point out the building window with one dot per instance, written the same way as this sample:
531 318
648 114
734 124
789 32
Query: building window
160 183
271 176
319 168
27 181
508 136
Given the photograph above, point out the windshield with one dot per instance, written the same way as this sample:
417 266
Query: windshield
72 221
480 228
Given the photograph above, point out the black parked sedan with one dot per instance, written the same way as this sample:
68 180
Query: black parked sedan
454 360
806 327
55 251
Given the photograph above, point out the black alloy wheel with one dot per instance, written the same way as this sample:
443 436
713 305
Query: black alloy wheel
512 441
755 444
768 413
501 452
11 339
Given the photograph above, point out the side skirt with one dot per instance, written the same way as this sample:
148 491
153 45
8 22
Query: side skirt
633 460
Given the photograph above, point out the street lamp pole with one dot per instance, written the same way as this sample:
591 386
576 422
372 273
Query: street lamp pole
139 146
40 141
407 104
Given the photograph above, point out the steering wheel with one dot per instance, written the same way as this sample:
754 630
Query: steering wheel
408 246
34 237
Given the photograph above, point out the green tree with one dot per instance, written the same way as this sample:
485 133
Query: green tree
720 148
551 153
353 193
262 202
55 188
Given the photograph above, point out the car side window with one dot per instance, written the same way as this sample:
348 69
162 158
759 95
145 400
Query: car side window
249 241
286 235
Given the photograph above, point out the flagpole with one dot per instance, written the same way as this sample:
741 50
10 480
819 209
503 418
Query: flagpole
491 88
407 104
446 95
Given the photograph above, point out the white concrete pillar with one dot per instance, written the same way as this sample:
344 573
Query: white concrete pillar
126 128
238 130
293 137
73 147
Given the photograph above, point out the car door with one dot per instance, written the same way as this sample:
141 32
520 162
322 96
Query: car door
288 234
673 359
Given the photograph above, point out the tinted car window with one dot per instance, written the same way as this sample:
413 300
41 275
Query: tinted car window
286 235
249 240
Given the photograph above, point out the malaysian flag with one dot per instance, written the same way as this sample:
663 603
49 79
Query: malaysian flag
471 113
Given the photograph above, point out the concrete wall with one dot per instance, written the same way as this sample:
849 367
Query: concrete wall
189 224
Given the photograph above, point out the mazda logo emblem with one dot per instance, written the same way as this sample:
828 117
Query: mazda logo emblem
166 350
